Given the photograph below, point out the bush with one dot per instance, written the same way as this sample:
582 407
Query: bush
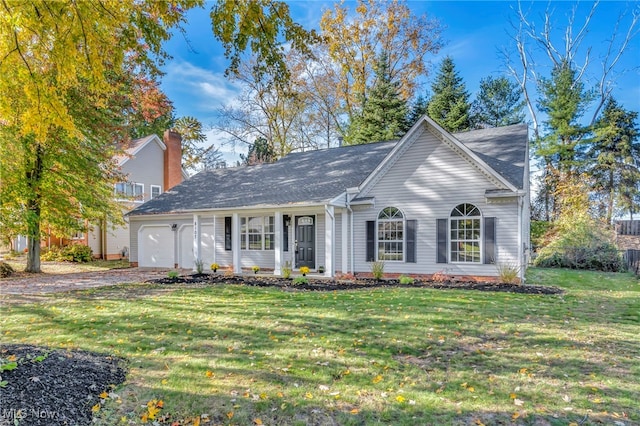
71 253
406 280
5 270
508 273
377 270
300 280
286 270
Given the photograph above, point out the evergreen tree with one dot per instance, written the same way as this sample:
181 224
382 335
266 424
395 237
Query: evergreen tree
499 103
449 106
384 115
418 109
616 159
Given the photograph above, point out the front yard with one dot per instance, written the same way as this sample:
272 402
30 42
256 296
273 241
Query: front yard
230 354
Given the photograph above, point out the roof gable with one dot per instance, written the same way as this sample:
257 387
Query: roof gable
499 153
136 146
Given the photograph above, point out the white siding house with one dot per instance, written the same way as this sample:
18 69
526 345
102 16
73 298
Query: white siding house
432 202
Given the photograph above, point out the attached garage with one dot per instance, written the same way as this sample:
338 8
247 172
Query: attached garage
155 246
185 246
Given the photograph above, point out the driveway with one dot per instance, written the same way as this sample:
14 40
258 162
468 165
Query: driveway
54 283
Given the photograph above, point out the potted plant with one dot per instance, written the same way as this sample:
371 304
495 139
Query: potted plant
255 269
321 269
215 267
304 270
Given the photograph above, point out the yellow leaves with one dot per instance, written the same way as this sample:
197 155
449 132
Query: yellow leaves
512 395
230 415
209 374
400 399
257 421
95 408
377 379
515 415
467 387
104 395
308 395
153 408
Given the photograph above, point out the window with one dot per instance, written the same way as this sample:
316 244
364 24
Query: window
465 234
257 233
391 234
155 190
128 190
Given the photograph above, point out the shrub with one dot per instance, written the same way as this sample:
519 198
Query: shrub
255 269
300 280
321 269
51 254
215 267
406 280
304 270
173 274
508 273
377 270
76 253
5 270
199 265
286 270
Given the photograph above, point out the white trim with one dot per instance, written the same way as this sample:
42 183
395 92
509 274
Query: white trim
151 196
329 240
236 257
278 254
315 238
404 236
480 238
197 240
344 215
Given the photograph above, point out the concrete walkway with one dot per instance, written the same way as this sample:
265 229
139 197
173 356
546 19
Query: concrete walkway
54 283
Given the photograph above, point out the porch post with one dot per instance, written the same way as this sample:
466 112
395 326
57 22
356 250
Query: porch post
197 241
329 237
277 243
235 243
345 241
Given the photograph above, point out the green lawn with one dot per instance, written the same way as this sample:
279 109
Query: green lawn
244 355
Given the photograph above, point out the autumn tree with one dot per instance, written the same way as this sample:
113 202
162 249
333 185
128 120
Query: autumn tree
63 73
449 106
499 103
384 114
355 42
615 155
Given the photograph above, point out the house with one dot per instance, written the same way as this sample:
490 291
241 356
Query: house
433 202
151 166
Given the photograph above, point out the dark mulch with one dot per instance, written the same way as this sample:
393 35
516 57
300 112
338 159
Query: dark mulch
54 387
361 283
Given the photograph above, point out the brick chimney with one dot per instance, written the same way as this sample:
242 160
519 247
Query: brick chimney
172 159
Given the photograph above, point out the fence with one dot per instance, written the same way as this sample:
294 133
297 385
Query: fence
632 258
628 227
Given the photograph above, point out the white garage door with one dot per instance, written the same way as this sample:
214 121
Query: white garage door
185 244
155 247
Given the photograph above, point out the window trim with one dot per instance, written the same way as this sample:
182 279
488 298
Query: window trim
151 188
265 221
404 234
133 198
479 240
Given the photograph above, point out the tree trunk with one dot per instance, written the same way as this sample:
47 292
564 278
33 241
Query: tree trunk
34 177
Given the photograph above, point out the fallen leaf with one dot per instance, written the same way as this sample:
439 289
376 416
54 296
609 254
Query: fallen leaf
95 408
377 379
209 373
400 398
354 411
518 402
104 395
257 421
230 415
515 415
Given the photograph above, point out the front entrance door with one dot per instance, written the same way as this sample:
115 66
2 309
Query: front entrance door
305 244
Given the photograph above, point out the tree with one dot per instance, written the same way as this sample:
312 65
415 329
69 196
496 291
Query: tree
384 116
615 154
355 43
499 103
264 27
62 94
449 106
418 109
259 152
193 151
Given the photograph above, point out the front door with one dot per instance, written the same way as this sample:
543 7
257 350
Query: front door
305 244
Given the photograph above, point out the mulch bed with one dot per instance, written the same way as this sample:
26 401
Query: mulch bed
54 387
359 284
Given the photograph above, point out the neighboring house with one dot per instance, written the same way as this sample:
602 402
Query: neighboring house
430 203
151 166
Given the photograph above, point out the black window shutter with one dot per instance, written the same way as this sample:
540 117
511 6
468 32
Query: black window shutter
489 240
371 241
411 240
285 232
441 250
227 233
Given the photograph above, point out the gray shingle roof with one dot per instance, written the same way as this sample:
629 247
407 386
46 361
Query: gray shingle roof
303 177
504 149
316 177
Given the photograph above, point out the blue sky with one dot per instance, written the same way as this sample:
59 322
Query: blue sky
476 32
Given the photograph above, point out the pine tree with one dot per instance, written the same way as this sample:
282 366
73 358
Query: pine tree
418 109
384 115
499 103
449 106
616 158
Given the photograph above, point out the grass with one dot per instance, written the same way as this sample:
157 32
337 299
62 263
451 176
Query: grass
19 263
405 356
